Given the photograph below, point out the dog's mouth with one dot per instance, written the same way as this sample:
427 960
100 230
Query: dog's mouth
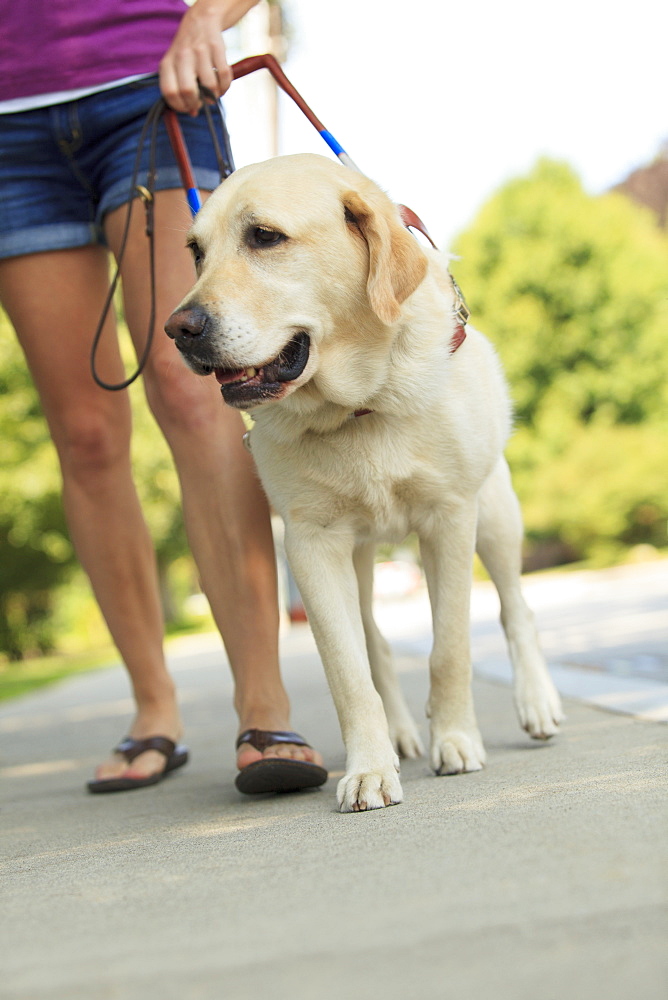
250 386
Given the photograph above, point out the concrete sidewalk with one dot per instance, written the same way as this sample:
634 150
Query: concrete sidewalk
542 876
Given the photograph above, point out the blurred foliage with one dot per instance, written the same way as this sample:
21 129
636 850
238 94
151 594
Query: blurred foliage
36 557
21 678
573 291
35 553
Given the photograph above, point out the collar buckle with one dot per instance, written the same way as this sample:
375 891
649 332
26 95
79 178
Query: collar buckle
460 308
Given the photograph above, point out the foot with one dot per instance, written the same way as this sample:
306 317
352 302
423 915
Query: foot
276 721
457 751
538 706
248 754
165 722
405 737
369 790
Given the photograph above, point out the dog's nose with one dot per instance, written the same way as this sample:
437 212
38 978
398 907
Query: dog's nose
186 325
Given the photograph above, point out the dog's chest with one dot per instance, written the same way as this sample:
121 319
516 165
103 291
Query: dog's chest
381 490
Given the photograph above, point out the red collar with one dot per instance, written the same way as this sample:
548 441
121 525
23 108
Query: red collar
413 221
458 338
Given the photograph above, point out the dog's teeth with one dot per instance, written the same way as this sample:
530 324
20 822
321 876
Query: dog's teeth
244 378
251 372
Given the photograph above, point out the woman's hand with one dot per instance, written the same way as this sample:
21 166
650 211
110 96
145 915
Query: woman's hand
197 54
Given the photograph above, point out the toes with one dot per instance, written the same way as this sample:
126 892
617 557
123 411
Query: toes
293 751
407 742
375 790
248 754
539 725
540 715
457 753
143 766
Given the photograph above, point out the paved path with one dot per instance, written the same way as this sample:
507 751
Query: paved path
542 876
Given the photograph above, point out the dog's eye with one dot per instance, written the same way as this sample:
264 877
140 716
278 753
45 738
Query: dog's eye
197 252
260 236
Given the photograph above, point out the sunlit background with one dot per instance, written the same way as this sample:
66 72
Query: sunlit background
441 102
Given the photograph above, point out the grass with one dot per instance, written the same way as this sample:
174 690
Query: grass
24 676
28 675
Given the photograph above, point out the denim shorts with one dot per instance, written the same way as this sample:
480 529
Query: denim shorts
63 167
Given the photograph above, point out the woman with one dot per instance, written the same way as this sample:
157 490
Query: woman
79 80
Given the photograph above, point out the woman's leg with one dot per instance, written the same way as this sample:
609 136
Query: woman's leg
226 512
54 301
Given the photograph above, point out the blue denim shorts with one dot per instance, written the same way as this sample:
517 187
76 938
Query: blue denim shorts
63 167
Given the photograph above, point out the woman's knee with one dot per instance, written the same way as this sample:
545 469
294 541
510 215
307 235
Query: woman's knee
90 443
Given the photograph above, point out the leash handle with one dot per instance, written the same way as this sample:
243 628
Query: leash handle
239 69
243 68
267 61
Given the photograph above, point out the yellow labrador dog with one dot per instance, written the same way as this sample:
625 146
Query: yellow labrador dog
318 311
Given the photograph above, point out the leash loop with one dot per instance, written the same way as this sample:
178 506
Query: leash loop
157 112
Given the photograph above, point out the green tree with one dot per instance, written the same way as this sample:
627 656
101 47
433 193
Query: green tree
35 553
36 557
573 291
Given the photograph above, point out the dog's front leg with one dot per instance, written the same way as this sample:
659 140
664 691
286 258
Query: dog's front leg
322 562
447 552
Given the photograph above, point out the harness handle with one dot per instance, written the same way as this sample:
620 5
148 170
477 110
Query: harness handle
267 61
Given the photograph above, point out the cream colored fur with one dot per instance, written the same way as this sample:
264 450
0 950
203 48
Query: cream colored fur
379 312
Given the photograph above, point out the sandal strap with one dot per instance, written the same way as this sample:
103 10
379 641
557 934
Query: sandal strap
130 748
263 738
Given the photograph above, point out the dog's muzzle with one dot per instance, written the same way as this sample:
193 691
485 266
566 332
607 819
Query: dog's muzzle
192 331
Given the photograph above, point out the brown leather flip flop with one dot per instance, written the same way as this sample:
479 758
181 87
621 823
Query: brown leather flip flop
277 774
175 756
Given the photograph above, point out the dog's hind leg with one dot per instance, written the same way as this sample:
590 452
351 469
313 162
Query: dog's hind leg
447 555
403 730
499 545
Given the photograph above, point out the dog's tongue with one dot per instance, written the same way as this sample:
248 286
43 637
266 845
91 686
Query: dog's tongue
289 365
225 375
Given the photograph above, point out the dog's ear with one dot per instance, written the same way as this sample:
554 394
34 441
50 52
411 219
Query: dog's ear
397 264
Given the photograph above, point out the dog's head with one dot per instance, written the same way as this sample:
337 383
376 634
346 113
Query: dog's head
302 268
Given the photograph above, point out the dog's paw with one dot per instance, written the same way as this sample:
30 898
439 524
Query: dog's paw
406 739
372 790
539 709
457 751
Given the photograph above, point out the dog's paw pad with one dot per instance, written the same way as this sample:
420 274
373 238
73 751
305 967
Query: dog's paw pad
375 790
457 753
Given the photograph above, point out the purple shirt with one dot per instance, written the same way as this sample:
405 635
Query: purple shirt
53 45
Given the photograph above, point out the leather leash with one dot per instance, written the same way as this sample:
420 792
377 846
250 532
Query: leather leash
160 110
